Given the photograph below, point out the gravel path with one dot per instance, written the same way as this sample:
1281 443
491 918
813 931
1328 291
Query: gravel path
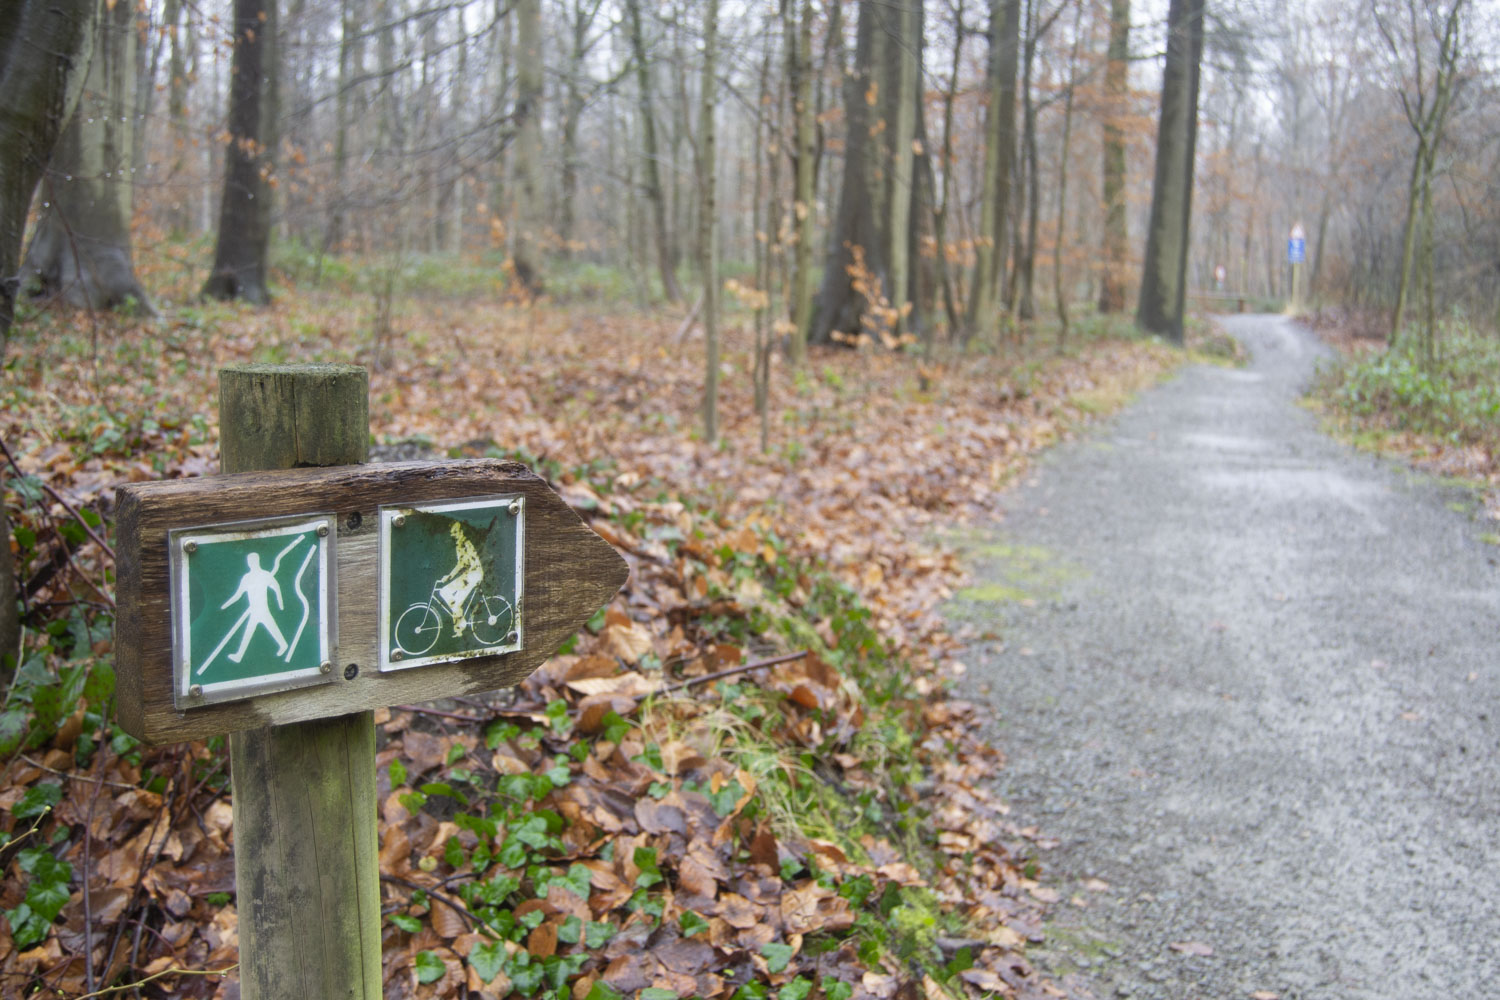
1252 687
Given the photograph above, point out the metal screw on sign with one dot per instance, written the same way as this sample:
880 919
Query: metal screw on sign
515 508
398 520
322 531
196 690
190 547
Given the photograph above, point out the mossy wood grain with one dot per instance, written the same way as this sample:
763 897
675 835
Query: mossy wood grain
570 572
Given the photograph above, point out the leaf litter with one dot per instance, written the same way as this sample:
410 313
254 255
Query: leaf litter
746 778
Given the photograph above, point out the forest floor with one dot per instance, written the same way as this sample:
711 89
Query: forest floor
824 826
1247 680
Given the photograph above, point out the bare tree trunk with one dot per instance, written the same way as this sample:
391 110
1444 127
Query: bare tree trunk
81 250
1062 183
1163 281
999 153
654 192
858 239
708 222
1116 225
901 119
242 252
179 22
42 67
804 198
526 234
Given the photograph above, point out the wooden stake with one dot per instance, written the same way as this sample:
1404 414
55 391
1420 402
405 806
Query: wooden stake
306 862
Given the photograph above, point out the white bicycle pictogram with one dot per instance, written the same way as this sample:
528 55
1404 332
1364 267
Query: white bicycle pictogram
489 617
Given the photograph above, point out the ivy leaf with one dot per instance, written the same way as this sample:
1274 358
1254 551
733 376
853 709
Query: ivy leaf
487 959
837 989
430 968
691 923
777 955
797 989
406 922
37 800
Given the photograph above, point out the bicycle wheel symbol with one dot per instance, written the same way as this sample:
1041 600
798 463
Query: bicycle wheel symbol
491 619
417 629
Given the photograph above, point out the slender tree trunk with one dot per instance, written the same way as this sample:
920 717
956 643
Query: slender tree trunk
1062 183
1163 281
526 233
81 250
338 203
1116 96
1408 241
804 198
999 153
708 221
654 192
904 92
242 251
945 194
179 22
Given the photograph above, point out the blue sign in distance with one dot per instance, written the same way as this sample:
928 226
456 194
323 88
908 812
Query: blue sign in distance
1296 250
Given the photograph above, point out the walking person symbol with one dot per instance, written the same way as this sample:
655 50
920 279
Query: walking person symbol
255 587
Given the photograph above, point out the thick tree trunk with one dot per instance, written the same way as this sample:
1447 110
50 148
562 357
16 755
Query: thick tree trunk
80 253
242 250
1163 280
43 61
861 291
654 192
999 154
1116 95
858 235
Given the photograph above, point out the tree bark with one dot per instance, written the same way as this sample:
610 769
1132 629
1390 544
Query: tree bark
1116 225
80 253
860 292
804 197
1163 280
654 192
43 61
526 234
179 22
999 155
242 251
708 221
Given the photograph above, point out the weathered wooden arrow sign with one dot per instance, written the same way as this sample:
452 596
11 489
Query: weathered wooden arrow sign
265 598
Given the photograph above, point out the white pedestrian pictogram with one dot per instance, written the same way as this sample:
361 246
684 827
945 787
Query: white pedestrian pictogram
256 587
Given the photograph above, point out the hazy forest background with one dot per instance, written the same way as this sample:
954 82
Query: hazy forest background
775 295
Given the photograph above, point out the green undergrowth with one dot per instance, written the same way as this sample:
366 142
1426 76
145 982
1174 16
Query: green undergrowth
1452 397
511 843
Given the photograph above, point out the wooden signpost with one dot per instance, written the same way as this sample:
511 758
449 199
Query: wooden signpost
282 607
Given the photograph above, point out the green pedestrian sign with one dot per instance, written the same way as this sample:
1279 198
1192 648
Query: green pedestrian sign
450 580
253 608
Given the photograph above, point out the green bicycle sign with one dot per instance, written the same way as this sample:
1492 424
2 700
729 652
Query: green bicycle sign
450 580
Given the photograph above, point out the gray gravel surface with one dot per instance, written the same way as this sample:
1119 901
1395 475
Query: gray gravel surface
1253 688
